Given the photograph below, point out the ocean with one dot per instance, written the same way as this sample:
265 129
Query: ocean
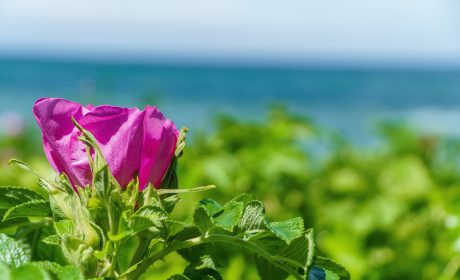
345 100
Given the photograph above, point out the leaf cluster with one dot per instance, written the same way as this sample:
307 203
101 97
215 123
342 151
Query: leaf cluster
90 226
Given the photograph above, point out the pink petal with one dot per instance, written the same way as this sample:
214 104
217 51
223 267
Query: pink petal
119 133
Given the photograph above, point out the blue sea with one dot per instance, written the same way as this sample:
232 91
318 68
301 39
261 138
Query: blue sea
346 100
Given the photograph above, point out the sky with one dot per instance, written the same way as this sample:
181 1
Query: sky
419 32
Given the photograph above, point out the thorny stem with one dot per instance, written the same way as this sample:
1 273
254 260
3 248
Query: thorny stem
136 273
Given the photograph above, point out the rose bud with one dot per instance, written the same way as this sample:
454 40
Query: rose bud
130 140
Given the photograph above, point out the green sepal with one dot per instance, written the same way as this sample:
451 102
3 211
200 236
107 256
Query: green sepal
80 254
149 196
108 249
65 227
43 181
131 193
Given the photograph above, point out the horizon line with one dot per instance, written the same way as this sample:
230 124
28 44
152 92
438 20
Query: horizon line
240 61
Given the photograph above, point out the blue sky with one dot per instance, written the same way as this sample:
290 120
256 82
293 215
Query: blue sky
421 32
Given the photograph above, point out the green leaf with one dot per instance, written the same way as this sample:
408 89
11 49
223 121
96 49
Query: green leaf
70 273
50 266
332 270
317 273
30 238
203 262
229 216
288 230
151 210
149 196
11 253
5 271
34 208
148 217
244 197
253 217
79 254
123 228
170 202
203 274
210 205
65 227
188 233
269 271
299 253
12 196
178 277
173 228
140 223
30 271
193 253
12 222
301 250
52 240
198 189
202 219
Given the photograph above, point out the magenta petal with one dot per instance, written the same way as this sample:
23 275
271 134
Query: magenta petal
54 116
119 133
155 165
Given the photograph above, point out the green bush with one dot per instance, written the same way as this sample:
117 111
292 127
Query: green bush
386 211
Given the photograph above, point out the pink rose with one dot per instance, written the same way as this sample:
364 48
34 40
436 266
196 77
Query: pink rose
130 140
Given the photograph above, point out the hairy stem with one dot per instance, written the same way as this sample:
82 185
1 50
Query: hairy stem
114 263
135 274
140 251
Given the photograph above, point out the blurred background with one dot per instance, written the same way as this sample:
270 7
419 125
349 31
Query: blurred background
343 112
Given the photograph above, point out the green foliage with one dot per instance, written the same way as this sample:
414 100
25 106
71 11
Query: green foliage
92 226
34 208
11 253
